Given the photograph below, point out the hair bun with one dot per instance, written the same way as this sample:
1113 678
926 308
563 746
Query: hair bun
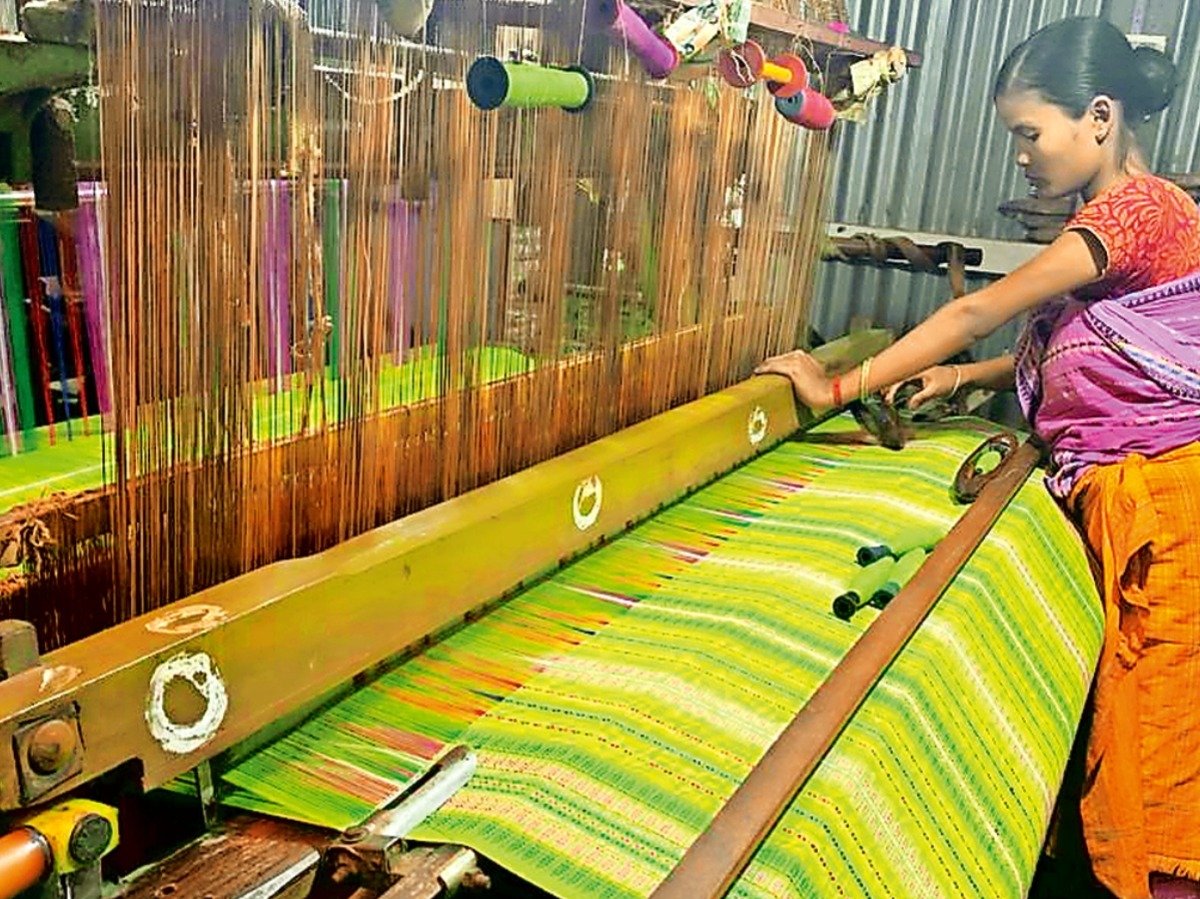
1154 83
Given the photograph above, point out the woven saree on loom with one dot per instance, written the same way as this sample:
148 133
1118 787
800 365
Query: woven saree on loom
616 705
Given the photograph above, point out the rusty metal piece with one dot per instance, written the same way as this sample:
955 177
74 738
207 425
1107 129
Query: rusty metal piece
714 861
48 752
922 257
879 419
18 647
90 838
436 872
52 152
206 792
257 858
970 479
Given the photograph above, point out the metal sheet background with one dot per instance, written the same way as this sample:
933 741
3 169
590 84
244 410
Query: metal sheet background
933 157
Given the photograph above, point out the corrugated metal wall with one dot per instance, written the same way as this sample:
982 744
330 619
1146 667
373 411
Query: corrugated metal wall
934 157
1178 146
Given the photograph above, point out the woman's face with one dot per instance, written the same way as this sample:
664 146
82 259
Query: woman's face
1061 155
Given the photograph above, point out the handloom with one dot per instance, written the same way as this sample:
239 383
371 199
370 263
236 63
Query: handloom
616 705
367 448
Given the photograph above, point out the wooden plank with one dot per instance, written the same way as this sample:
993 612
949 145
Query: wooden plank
248 858
824 39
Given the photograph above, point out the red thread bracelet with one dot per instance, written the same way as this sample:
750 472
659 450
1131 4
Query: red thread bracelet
837 391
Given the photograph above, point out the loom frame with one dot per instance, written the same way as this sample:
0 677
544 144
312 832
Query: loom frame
263 646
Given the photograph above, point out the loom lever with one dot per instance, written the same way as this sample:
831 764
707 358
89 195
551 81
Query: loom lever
445 779
377 854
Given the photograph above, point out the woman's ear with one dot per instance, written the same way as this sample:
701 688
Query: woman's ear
1102 116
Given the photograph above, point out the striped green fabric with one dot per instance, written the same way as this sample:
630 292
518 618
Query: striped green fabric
617 705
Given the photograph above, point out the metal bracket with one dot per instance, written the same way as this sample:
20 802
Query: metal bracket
377 853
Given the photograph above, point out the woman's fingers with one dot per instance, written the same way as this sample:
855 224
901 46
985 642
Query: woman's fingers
926 393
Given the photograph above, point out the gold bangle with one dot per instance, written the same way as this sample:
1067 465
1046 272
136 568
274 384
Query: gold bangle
862 379
957 382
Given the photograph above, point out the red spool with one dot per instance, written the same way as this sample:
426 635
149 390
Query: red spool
817 112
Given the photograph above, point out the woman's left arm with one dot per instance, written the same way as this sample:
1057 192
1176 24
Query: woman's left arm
1065 265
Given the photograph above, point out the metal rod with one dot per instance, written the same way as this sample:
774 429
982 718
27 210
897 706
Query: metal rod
880 248
717 858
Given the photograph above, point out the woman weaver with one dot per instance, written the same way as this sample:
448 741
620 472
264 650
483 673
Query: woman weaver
1107 370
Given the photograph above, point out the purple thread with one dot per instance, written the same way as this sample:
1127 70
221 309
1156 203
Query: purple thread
90 261
283 265
625 26
275 279
268 279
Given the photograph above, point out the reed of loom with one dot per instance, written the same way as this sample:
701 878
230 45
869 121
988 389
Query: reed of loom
337 294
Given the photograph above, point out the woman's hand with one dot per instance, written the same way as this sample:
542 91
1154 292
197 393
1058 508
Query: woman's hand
809 381
936 382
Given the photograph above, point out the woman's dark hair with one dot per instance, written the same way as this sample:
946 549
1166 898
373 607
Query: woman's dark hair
1072 61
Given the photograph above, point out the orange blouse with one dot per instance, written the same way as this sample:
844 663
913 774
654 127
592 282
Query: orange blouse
1150 230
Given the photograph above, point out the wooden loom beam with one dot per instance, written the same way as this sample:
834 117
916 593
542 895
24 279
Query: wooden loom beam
261 646
785 24
766 20
715 860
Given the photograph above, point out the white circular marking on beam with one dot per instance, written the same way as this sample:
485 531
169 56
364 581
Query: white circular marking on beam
586 505
199 670
756 427
188 620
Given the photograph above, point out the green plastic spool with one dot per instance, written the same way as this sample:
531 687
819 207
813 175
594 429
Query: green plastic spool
863 587
492 83
901 574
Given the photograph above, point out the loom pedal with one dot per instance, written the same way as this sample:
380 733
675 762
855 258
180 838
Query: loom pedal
249 858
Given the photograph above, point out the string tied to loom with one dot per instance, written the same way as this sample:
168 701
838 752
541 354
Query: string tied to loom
25 542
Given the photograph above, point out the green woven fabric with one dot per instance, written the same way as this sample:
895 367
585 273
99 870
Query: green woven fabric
68 465
617 705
